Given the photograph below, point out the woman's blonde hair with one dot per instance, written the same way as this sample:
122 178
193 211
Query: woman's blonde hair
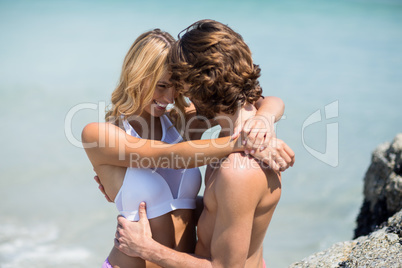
143 66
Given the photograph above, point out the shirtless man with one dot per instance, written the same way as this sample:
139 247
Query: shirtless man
241 194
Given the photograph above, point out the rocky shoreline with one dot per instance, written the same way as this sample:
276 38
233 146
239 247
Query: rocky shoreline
378 235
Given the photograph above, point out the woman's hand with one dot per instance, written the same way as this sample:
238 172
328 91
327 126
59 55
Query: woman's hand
256 133
102 189
278 155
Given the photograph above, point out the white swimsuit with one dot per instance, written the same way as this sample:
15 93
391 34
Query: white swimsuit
163 189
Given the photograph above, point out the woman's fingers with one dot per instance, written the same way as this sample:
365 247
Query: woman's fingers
285 157
279 156
291 154
254 141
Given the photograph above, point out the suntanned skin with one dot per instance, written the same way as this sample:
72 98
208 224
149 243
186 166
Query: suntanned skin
239 200
175 229
109 149
255 211
238 207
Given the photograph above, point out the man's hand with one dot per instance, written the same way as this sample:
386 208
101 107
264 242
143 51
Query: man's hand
131 236
102 189
278 155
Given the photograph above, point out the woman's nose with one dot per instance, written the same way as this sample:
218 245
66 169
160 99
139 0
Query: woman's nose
169 94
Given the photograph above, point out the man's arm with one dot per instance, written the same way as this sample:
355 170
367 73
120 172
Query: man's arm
236 202
259 129
237 192
135 240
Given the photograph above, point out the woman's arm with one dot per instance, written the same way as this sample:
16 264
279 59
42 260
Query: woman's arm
259 129
257 132
105 143
271 107
269 110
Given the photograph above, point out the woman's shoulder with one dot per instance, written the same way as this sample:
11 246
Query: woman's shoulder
94 129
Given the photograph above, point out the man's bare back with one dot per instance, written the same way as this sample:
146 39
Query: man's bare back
239 200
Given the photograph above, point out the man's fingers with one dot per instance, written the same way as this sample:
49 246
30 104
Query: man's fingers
142 211
116 243
121 221
117 234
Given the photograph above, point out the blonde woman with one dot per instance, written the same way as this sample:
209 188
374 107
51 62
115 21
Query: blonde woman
139 154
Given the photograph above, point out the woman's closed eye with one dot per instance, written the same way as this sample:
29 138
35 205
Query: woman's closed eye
163 86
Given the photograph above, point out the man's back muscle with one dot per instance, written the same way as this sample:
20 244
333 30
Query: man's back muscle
239 200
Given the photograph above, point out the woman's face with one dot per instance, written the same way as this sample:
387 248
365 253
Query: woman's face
164 94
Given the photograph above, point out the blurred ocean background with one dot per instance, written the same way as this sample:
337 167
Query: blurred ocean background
336 64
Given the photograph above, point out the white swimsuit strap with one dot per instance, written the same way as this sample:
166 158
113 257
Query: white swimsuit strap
127 126
165 123
170 133
129 129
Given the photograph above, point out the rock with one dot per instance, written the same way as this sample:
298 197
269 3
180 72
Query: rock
382 187
379 236
382 248
330 258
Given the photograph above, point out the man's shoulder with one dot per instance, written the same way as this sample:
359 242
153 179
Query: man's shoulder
240 178
241 163
242 169
239 168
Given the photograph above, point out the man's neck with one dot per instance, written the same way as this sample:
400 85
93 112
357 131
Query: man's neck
229 122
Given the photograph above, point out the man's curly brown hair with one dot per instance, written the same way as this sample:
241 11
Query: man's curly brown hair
217 65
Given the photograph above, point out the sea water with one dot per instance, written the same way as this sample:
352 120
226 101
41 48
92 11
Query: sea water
336 64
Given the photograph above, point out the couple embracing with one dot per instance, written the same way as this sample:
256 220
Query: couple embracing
162 222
